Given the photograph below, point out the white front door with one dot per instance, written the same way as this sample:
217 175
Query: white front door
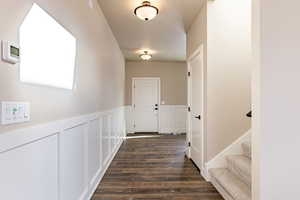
146 104
196 93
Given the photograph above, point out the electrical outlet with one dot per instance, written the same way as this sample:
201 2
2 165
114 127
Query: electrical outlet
14 112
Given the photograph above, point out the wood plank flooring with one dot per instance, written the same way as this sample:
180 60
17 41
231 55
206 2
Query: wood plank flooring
154 167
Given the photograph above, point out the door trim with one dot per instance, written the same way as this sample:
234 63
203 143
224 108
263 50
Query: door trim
198 51
133 99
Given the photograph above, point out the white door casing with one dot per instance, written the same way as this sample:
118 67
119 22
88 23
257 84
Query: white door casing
145 103
196 103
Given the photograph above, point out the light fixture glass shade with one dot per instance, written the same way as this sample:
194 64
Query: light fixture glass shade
146 56
146 12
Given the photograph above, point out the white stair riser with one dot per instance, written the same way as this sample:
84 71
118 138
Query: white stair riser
229 185
247 149
240 170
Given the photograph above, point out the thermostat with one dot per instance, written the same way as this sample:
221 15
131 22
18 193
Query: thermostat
10 52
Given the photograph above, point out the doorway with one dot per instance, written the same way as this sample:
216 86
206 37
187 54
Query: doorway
146 103
196 108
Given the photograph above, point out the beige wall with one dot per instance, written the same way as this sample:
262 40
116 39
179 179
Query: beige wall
229 72
224 28
173 76
99 63
197 33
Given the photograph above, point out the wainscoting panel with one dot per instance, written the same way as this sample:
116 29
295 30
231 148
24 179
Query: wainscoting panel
72 150
30 171
129 119
105 140
172 119
94 150
110 134
66 161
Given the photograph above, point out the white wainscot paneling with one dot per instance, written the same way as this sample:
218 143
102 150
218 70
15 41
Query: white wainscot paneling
105 142
110 133
62 160
30 171
94 151
114 129
73 163
129 119
172 119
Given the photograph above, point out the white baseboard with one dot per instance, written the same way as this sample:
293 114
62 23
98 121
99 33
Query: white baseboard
205 175
219 161
172 119
74 166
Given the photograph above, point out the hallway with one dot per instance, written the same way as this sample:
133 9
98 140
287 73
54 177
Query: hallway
154 167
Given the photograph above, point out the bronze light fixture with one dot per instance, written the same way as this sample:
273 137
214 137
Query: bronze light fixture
146 56
146 11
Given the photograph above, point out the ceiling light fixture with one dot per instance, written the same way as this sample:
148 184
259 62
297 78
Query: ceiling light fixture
146 11
145 56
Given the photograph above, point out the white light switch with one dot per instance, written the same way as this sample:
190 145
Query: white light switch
14 112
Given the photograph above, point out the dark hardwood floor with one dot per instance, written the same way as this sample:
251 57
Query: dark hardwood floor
154 167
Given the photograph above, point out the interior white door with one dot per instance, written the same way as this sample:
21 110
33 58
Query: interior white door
196 110
146 104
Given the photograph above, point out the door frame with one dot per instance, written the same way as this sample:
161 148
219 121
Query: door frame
198 52
133 99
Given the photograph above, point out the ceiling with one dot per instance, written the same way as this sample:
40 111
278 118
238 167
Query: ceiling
164 36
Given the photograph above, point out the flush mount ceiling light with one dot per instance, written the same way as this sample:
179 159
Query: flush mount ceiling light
146 11
145 56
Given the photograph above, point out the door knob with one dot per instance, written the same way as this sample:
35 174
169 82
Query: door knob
198 117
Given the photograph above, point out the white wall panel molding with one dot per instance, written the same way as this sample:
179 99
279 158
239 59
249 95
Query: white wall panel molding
98 177
172 119
30 171
79 151
129 119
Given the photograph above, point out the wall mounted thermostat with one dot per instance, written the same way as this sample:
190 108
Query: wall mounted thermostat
10 52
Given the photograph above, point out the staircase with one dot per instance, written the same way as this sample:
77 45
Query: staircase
234 182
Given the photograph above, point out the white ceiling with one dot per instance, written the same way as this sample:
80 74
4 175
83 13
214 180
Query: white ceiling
164 37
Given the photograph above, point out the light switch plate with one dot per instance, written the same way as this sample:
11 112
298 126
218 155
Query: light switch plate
14 112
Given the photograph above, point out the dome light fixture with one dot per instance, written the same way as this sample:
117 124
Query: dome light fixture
146 11
146 56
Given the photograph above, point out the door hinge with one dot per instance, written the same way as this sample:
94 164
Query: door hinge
189 109
189 144
189 73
